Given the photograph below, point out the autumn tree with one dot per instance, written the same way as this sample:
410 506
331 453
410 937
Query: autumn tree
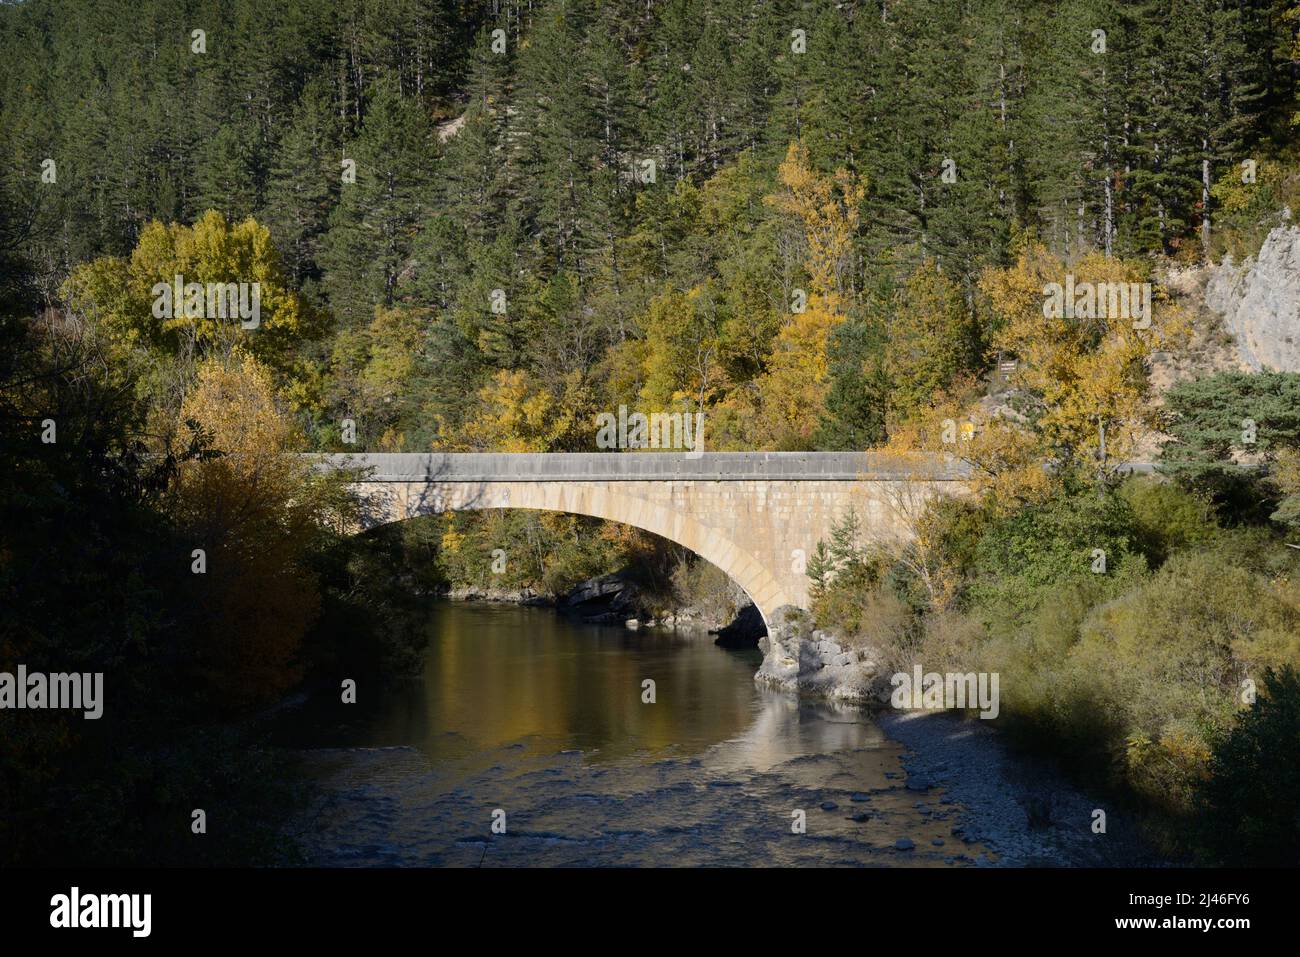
793 390
252 513
1081 370
515 413
371 371
123 297
933 339
683 350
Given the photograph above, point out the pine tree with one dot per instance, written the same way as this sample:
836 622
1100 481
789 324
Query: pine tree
844 548
304 182
368 245
559 142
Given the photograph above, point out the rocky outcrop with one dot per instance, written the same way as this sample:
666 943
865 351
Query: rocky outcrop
616 599
1260 302
515 596
605 599
604 588
798 659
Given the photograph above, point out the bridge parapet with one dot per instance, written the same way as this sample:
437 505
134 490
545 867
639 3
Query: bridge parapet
648 466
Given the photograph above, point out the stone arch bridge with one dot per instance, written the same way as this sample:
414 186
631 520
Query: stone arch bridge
756 515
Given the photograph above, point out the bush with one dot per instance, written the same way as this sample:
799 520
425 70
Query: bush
1194 624
705 587
1167 771
1166 517
949 642
956 526
1020 558
1134 674
1251 799
863 615
1259 550
1165 661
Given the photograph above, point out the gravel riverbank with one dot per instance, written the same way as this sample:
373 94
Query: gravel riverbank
1023 809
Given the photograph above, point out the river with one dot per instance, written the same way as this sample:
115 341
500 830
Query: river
538 722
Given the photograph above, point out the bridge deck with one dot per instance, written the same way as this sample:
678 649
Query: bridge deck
647 466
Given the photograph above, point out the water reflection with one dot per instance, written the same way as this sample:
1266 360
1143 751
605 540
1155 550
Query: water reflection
498 674
521 710
782 728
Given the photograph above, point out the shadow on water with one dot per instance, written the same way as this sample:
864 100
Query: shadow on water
521 710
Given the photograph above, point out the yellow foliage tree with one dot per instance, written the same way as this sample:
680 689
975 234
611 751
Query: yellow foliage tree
120 295
827 206
933 340
1076 375
1080 369
254 511
792 392
517 414
1006 464
371 369
681 355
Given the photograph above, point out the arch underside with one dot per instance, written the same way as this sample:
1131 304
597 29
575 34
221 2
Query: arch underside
671 521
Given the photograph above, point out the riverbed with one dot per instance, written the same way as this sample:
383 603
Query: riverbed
533 740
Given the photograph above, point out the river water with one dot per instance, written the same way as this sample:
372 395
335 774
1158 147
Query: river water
539 722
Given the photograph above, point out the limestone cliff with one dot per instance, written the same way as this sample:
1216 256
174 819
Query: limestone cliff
1260 302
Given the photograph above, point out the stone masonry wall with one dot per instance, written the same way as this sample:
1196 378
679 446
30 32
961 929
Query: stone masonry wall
760 532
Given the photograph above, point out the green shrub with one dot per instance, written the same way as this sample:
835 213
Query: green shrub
956 526
1020 558
1164 663
1251 798
1257 549
702 585
1134 675
861 613
1196 626
1166 517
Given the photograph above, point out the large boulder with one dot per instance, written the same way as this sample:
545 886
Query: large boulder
606 599
602 589
799 659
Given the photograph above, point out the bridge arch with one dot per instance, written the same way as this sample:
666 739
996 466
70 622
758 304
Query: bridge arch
705 541
757 516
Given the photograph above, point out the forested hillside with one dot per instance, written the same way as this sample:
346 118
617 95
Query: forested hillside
480 225
614 170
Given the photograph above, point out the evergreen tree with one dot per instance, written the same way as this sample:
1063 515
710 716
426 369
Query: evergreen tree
304 182
368 245
558 137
